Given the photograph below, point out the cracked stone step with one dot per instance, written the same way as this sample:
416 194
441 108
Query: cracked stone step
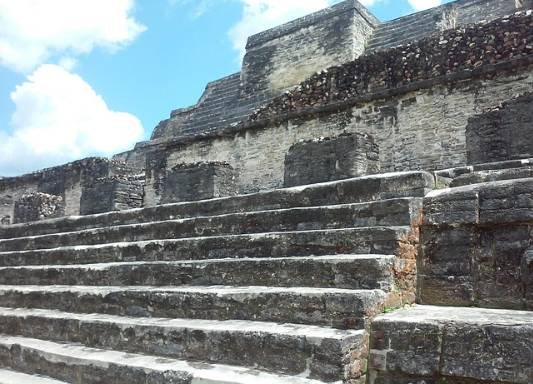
357 190
72 363
383 213
338 308
315 352
453 344
364 240
12 377
333 271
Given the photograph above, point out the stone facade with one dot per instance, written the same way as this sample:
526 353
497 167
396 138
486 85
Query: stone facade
66 181
38 206
475 242
114 193
327 159
503 133
200 181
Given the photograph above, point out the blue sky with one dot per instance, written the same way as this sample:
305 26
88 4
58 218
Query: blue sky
92 77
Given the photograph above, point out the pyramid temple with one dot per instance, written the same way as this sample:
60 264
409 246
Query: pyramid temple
354 206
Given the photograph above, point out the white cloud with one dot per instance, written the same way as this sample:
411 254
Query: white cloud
60 118
420 5
31 31
368 3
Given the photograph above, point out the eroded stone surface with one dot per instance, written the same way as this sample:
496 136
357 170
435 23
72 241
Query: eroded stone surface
458 345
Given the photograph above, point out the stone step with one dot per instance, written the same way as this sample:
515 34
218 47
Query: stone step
12 377
338 271
382 213
337 308
357 190
310 351
477 177
81 365
381 240
393 39
447 344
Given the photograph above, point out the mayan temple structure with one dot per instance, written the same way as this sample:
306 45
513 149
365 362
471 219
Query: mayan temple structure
354 206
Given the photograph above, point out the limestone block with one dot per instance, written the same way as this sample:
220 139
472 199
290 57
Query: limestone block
445 266
38 206
328 159
451 206
427 344
200 181
527 278
473 245
502 133
115 193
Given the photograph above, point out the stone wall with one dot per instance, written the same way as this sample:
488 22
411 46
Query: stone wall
115 193
476 246
66 181
328 159
457 51
38 206
417 111
200 181
284 56
503 133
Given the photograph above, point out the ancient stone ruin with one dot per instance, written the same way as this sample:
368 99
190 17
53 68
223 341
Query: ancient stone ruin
354 206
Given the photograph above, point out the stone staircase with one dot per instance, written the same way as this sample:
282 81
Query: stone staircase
273 287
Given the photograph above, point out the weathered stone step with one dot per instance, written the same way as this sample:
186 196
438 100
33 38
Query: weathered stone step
379 240
492 175
382 213
338 308
81 365
392 39
12 377
338 271
306 350
447 344
357 190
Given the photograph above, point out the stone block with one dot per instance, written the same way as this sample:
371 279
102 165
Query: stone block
115 193
426 344
445 266
502 133
526 272
200 181
38 206
451 206
328 159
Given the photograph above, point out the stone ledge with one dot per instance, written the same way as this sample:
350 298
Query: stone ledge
455 345
311 19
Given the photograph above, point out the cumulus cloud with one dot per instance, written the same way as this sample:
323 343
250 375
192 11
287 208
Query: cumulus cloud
60 118
31 31
420 5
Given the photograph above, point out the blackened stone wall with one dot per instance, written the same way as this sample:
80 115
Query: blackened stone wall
38 206
503 133
476 246
200 181
114 193
328 159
